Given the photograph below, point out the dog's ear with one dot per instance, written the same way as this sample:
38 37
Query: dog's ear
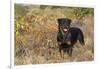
69 20
59 21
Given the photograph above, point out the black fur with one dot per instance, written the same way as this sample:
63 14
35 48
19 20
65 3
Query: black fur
68 36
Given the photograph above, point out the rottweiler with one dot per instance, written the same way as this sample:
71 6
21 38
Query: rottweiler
67 36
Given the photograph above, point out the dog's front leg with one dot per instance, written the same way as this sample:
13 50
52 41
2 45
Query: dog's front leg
70 51
61 52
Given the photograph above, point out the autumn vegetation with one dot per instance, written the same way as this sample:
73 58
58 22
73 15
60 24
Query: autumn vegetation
36 32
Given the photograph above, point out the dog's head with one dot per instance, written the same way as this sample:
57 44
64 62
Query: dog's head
64 24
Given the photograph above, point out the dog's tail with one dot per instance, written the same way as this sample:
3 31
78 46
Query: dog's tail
81 38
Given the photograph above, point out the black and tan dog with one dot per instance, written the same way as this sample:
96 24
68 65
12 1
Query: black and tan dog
68 36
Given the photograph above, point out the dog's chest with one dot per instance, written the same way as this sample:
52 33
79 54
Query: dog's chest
66 37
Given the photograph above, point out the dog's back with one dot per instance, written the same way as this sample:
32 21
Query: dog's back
76 34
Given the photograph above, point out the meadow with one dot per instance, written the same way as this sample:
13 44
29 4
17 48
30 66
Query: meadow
35 34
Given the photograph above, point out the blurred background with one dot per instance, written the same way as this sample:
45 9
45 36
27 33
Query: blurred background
36 30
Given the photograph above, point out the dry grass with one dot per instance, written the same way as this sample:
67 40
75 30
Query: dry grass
37 44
